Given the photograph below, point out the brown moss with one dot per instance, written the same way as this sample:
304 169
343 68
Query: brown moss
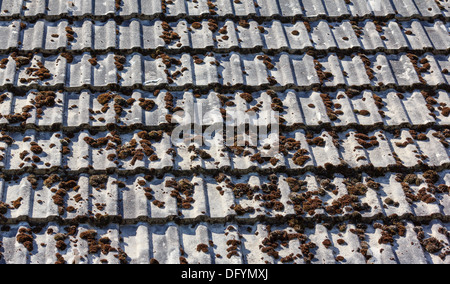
118 4
240 210
243 23
17 117
93 61
68 57
44 98
3 208
154 261
103 99
3 63
272 80
445 111
267 61
183 260
25 238
431 176
119 61
17 203
96 143
147 104
327 243
35 148
203 248
58 198
247 97
168 34
41 72
70 34
196 25
300 157
364 112
98 181
432 245
59 259
61 245
223 30
182 191
21 60
90 237
357 188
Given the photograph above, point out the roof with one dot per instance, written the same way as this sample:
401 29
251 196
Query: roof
90 174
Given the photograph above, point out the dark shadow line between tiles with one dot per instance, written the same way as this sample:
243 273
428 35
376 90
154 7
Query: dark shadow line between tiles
220 50
329 170
305 222
206 16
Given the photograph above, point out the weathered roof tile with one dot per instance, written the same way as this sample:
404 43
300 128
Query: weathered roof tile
94 167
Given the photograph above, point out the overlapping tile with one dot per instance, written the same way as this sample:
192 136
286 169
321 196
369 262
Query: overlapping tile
228 70
141 150
222 8
91 94
343 109
224 36
398 242
144 197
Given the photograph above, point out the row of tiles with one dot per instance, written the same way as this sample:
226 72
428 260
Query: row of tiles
263 8
229 244
69 111
250 196
225 36
233 69
220 149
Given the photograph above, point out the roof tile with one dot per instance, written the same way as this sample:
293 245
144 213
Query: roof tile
93 168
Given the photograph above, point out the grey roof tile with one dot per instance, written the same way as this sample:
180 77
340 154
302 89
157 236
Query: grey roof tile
336 8
418 38
406 8
313 9
244 8
76 110
438 34
395 39
260 8
228 70
127 197
142 242
427 8
359 8
445 5
135 34
414 105
322 35
290 8
92 93
17 155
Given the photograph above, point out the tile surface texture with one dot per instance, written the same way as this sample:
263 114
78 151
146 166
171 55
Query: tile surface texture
89 172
